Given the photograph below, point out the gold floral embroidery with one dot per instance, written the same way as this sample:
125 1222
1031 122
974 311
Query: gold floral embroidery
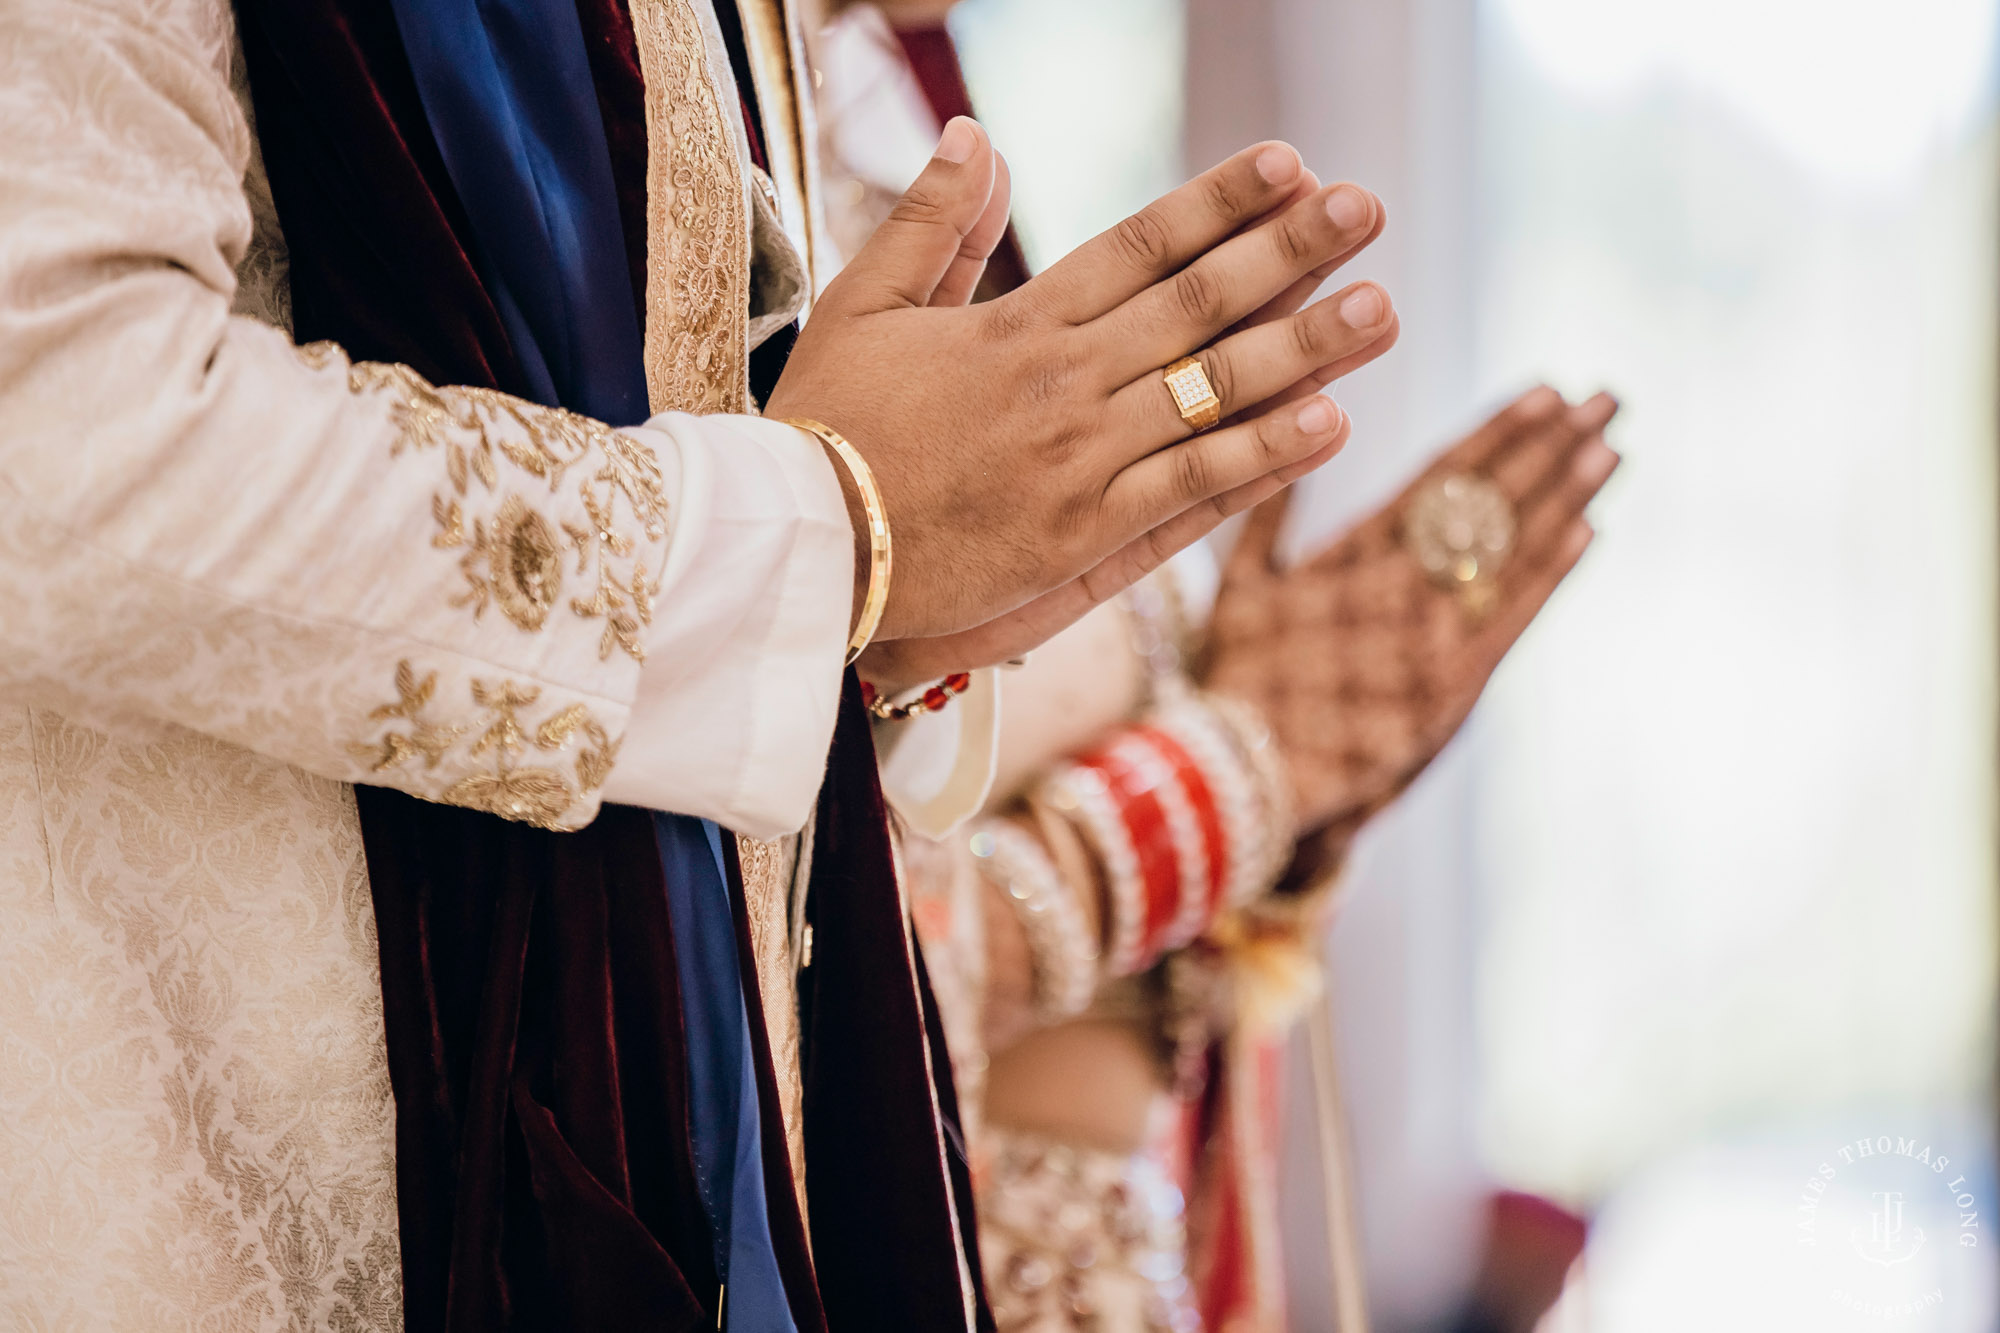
319 355
525 562
513 554
697 234
626 604
429 739
534 795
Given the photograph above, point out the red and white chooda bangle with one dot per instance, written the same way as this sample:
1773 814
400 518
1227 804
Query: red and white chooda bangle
1188 814
1082 793
1230 744
1062 951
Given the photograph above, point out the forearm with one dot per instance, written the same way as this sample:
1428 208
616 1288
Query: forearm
1075 1079
1128 852
446 590
336 566
1021 993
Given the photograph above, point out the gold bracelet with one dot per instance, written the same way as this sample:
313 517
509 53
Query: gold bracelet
881 553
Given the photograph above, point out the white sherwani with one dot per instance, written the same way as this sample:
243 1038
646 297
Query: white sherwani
237 576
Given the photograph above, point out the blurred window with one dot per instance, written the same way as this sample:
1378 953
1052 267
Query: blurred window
1739 804
1085 99
1737 801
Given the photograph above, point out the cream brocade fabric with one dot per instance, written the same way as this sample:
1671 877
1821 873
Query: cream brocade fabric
196 1128
217 958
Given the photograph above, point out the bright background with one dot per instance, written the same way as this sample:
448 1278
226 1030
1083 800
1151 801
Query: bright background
1707 888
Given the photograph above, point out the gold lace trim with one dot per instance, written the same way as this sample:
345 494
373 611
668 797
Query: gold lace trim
514 555
697 235
768 868
533 795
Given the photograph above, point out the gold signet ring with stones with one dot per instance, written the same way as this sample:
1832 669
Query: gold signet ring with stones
1460 530
1194 396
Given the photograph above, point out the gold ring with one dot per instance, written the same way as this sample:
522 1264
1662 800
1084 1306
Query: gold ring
1194 396
1460 530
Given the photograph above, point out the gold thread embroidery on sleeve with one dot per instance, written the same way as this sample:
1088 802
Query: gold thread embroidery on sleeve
629 470
513 554
429 739
318 355
532 794
522 559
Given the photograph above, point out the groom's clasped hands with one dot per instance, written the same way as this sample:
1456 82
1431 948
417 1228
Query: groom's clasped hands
1029 453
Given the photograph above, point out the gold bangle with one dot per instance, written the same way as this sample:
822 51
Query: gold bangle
881 553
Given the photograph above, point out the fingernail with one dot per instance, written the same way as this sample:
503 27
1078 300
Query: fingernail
1362 308
1598 464
1347 207
1278 164
1319 416
960 138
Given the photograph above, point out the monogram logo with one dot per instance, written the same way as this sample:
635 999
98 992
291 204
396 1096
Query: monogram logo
1886 1227
1888 1242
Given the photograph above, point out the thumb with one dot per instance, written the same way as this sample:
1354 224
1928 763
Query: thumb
911 252
968 266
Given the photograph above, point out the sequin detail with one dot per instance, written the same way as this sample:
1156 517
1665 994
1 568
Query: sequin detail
1075 1240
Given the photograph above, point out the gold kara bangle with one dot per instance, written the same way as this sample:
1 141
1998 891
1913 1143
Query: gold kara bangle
881 552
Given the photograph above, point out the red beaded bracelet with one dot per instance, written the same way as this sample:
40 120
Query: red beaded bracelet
931 700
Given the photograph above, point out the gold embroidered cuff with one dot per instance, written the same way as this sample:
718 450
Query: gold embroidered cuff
881 554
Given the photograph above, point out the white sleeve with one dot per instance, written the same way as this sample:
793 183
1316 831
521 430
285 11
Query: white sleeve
735 710
449 591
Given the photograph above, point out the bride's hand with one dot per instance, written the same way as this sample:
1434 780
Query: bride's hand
1362 665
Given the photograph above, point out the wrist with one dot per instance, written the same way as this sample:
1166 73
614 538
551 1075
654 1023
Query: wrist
873 572
884 666
1316 858
857 518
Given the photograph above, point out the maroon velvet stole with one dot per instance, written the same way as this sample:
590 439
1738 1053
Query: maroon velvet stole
534 1025
882 1213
